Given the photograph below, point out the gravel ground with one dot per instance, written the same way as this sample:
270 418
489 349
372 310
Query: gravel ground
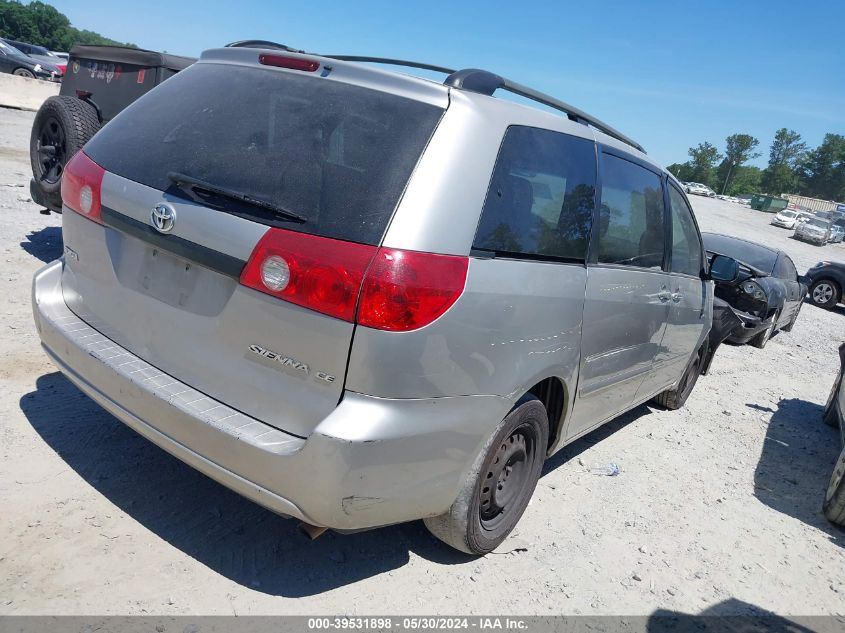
717 506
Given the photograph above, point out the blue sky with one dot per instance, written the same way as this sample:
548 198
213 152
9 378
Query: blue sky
668 74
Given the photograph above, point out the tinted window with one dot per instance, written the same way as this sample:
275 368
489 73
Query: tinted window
631 229
785 269
338 154
541 196
749 253
686 244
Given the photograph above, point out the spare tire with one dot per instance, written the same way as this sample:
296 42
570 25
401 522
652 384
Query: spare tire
62 126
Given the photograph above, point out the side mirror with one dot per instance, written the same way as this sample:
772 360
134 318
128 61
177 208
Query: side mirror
723 268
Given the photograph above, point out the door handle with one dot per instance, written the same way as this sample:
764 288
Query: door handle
677 296
664 295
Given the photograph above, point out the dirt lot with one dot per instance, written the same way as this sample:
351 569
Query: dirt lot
717 506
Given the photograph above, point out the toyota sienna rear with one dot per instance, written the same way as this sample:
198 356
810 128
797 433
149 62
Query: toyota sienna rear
359 297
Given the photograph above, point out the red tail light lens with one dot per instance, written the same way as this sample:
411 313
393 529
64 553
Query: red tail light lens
293 63
315 272
82 182
400 290
406 290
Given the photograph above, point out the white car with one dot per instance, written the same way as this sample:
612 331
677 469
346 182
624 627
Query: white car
700 190
786 218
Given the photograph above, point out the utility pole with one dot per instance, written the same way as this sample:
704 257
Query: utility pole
727 178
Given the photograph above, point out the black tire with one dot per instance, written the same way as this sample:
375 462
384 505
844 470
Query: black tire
483 515
759 341
834 498
23 72
830 416
61 127
674 399
824 293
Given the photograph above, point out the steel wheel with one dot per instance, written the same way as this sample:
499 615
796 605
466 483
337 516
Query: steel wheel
508 476
500 484
23 72
52 151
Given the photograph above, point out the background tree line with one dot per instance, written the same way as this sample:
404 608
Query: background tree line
792 168
42 24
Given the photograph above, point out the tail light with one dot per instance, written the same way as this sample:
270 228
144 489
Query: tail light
82 182
315 272
399 290
406 290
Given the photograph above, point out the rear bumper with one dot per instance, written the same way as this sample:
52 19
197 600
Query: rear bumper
371 462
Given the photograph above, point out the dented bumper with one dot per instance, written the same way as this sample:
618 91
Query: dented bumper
371 462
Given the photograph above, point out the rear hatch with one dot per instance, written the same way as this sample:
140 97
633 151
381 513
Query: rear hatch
324 163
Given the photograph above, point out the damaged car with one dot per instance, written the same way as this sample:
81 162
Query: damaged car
765 295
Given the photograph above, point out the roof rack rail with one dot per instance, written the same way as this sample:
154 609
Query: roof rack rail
391 62
485 82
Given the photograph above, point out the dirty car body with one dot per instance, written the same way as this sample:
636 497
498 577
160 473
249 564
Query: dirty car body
328 295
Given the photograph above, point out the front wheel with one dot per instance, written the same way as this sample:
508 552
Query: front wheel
760 340
500 484
824 293
673 399
23 72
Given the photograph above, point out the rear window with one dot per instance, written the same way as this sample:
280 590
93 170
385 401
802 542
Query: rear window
337 154
749 253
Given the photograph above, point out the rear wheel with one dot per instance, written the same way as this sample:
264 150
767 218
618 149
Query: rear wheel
824 293
834 499
500 484
23 72
61 127
673 399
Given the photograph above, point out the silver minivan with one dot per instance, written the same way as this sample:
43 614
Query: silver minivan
359 298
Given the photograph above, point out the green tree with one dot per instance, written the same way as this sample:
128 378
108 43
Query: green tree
42 24
823 173
746 179
785 158
703 159
681 171
739 150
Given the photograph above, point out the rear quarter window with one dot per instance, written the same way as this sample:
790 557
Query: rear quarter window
336 153
540 201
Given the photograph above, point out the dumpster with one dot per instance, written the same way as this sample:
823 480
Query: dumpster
769 204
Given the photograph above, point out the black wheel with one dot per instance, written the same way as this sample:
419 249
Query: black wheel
24 72
834 498
500 484
830 416
673 399
61 127
825 293
760 340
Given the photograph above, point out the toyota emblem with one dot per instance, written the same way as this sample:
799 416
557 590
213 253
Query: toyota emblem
163 217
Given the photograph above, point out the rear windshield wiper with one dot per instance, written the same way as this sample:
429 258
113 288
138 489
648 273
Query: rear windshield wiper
183 180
